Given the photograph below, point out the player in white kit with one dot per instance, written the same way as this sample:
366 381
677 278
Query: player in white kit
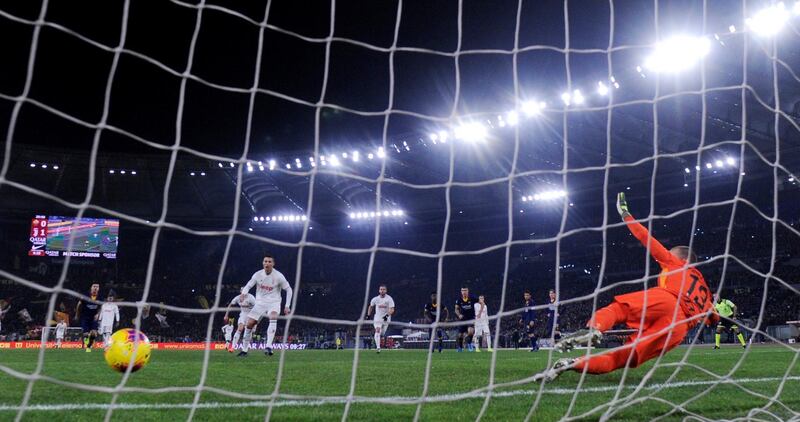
482 325
109 313
245 302
61 329
383 305
268 283
227 330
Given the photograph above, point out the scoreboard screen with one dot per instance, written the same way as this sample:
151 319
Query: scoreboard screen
90 237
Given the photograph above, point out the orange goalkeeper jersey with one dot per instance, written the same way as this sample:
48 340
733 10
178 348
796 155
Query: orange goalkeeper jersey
686 283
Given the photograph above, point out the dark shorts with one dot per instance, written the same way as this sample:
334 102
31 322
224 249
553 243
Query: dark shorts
728 324
439 332
463 329
88 324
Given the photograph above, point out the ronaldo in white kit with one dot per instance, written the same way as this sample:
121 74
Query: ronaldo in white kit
383 305
268 282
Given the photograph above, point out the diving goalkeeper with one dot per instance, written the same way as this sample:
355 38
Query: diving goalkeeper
653 311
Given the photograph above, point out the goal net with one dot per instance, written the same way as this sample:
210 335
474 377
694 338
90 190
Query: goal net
461 155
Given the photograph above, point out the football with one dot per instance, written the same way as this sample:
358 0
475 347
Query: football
128 347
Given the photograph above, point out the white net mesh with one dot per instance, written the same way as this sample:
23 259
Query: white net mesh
708 158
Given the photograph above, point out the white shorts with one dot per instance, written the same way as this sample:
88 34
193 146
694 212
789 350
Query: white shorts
481 329
227 337
106 329
242 317
264 308
380 323
60 337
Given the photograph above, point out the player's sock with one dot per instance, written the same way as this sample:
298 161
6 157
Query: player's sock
606 318
91 341
740 336
273 326
106 337
377 341
236 338
489 342
475 343
716 339
85 340
246 340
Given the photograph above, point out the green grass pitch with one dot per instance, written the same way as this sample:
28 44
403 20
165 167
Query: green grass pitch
767 372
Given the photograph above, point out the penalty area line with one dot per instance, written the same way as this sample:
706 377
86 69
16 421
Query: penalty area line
341 400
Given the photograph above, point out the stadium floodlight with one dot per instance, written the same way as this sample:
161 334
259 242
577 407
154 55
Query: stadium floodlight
471 132
33 164
382 153
512 117
334 160
524 199
686 170
202 173
249 168
255 218
500 121
298 165
386 213
536 197
709 165
443 136
566 98
677 54
231 164
718 163
732 29
769 21
372 214
288 166
296 160
260 168
55 167
261 218
356 156
344 155
577 97
697 168
532 108
44 166
303 218
602 89
272 164
120 172
220 165
266 218
111 171
352 215
370 156
433 137
730 161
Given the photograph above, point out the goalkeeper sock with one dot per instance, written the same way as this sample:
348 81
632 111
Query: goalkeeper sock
273 326
377 341
741 338
606 318
246 340
716 339
236 338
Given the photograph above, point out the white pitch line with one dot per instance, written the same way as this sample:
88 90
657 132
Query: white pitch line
339 400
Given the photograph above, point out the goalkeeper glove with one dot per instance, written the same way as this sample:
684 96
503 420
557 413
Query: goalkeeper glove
386 317
622 205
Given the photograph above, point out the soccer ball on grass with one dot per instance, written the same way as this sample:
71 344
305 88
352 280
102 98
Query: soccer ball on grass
128 347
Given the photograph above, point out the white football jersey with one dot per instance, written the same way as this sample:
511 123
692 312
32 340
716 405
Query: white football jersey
61 328
481 314
382 306
246 304
109 313
268 286
227 330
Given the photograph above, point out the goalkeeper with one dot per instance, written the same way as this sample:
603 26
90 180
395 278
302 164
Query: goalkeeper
727 312
652 311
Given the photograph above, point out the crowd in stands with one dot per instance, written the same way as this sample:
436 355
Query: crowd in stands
333 286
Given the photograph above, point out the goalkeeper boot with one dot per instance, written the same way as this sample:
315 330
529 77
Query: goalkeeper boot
589 336
562 365
716 347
